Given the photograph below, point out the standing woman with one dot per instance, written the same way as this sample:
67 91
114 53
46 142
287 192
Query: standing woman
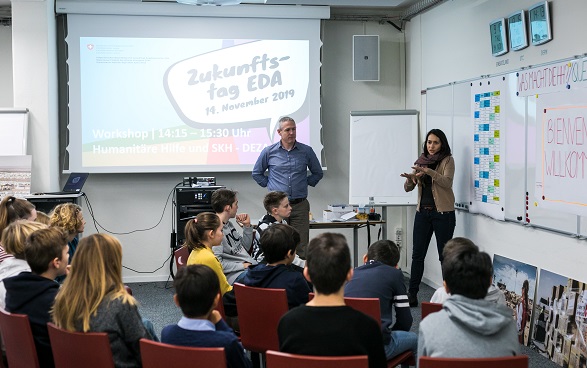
93 299
433 174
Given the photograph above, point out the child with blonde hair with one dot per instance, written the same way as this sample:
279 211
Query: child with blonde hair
69 217
93 299
33 293
43 218
13 239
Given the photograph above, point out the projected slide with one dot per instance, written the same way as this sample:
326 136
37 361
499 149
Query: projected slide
156 102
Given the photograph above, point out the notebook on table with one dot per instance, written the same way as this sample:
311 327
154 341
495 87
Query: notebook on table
73 185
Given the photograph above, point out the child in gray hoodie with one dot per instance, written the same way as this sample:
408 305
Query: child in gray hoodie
468 326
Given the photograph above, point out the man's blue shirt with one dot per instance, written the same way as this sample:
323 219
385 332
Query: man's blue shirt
287 170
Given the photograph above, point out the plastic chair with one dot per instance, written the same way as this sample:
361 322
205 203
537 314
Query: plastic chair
369 306
519 361
18 340
80 349
181 256
220 309
406 358
259 334
428 308
157 354
276 359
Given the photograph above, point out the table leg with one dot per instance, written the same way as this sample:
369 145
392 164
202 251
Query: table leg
356 246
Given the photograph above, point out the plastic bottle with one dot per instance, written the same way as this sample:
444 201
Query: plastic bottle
371 205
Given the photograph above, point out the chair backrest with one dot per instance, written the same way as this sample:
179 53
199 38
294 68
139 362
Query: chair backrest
276 359
181 256
259 312
519 361
369 306
428 308
80 349
220 309
18 340
156 355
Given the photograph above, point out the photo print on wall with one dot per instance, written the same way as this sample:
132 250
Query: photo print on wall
560 320
517 280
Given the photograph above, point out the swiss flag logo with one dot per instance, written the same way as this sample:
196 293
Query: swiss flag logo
90 46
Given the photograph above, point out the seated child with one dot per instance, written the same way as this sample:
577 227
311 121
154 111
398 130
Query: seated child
279 244
234 253
380 278
278 209
33 293
468 326
325 326
43 218
94 299
13 239
12 209
197 294
201 234
440 295
69 217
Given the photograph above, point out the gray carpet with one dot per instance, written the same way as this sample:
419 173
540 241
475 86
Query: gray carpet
156 304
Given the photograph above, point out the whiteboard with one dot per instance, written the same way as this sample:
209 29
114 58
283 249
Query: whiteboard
538 215
383 144
13 131
449 108
462 151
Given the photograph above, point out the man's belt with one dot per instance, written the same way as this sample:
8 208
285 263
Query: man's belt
297 200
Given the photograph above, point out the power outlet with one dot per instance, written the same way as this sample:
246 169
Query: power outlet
398 236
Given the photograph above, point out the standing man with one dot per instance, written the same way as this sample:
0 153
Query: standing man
287 163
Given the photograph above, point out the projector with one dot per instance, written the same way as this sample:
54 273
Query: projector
210 2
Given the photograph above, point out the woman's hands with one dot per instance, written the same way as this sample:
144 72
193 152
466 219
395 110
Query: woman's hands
409 176
418 172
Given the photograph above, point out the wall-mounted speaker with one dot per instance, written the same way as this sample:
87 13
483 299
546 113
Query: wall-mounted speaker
366 58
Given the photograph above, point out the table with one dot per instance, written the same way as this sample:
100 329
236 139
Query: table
356 225
46 202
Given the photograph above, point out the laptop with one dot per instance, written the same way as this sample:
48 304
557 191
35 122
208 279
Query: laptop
74 184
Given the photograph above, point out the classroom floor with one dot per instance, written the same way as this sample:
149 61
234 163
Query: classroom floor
156 304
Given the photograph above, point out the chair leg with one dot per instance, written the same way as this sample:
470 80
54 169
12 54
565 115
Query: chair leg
256 359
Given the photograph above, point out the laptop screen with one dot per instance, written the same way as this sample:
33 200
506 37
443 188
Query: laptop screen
75 182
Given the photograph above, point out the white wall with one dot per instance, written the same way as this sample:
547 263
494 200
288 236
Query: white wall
34 53
126 202
451 43
6 98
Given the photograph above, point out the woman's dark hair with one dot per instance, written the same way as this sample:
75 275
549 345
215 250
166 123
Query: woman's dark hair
444 146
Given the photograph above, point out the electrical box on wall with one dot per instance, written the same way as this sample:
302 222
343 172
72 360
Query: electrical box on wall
366 58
